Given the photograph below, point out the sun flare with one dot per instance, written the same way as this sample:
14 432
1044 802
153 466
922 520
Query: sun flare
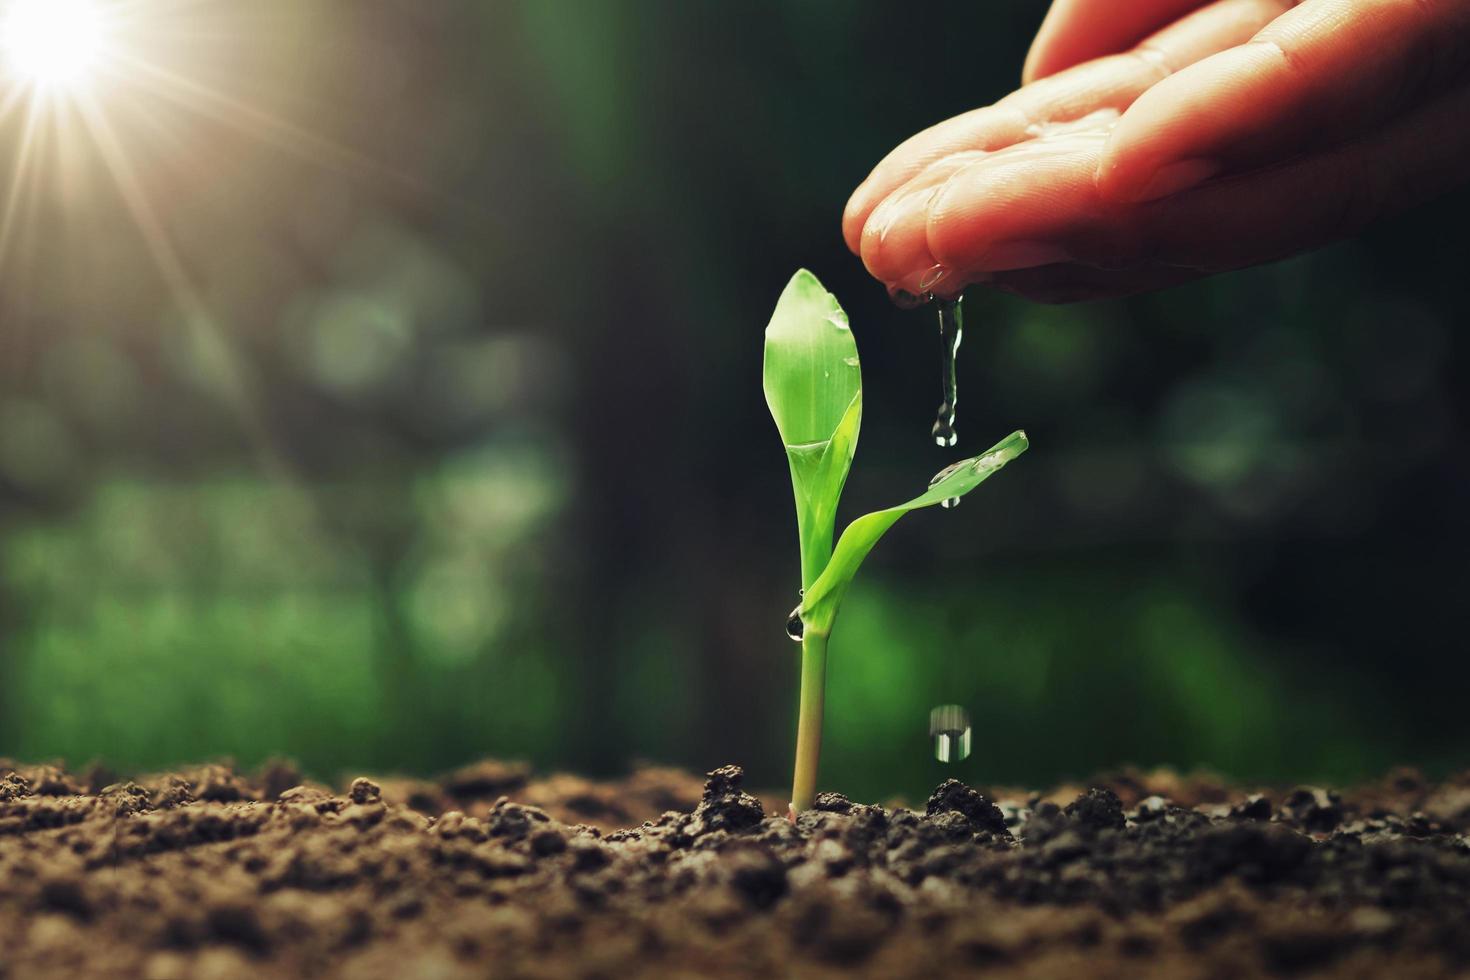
51 44
100 90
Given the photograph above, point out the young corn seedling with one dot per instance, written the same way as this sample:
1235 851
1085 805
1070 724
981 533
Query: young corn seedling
814 387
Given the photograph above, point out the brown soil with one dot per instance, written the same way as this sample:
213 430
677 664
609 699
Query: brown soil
490 872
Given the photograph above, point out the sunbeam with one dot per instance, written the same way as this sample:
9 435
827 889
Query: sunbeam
20 178
69 68
219 107
225 366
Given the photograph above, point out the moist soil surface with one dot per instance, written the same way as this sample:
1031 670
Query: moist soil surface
210 874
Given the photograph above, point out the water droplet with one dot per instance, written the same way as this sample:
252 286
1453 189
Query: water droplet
936 275
949 727
989 461
951 332
944 474
795 627
947 472
945 435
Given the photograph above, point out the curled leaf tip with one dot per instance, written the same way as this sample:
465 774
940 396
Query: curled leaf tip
1014 444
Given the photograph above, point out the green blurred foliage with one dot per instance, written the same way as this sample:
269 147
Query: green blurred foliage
442 435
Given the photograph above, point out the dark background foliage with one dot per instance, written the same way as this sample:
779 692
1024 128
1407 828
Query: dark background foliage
411 412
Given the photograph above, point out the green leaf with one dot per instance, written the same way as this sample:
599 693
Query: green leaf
819 607
813 383
811 367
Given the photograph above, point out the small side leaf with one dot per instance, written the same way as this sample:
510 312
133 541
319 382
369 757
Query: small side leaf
819 608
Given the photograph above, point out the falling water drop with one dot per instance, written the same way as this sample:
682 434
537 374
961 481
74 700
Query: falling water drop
951 332
949 727
795 627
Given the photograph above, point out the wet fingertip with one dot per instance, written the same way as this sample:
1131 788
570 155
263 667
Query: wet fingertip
919 287
875 230
870 244
959 282
933 278
936 282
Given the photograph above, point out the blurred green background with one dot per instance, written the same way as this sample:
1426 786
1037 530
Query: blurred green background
380 386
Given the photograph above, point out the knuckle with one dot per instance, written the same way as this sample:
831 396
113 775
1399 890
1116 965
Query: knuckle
1272 43
1153 59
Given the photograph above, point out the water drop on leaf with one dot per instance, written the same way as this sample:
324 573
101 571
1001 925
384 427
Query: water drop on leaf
947 472
795 627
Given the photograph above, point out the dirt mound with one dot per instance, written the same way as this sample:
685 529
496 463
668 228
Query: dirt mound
209 873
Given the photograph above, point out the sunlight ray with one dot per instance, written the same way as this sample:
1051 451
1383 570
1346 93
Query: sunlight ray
14 99
225 366
20 178
220 107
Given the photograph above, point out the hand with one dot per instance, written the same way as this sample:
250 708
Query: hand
1237 132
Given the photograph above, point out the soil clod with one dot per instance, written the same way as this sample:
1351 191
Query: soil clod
216 873
1098 808
364 791
953 796
1255 807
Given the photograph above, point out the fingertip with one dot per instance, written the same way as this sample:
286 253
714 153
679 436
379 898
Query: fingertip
1030 69
870 242
895 242
1114 180
1076 31
854 216
1043 61
1043 47
1150 156
1182 131
1173 178
1131 155
998 216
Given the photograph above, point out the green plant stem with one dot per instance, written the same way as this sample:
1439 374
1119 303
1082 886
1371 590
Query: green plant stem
809 721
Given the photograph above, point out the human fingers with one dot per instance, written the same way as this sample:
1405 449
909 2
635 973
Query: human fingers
1322 72
1075 31
1113 82
1107 249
